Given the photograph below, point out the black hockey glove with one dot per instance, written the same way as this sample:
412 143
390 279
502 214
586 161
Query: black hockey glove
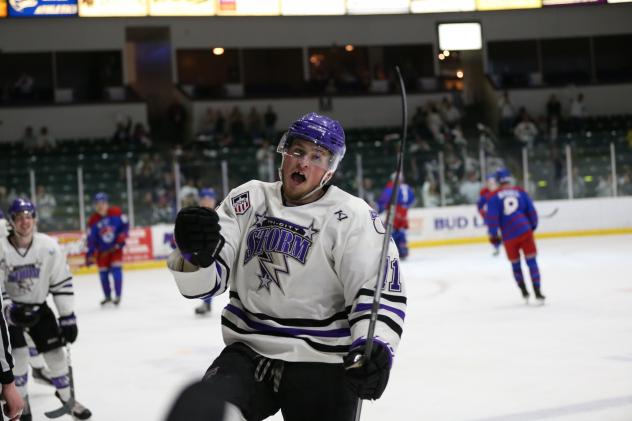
368 379
22 315
68 326
197 235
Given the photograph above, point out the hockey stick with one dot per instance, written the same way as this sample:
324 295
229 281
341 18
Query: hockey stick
67 406
390 215
550 214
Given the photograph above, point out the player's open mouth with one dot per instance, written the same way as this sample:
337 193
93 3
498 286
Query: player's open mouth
298 177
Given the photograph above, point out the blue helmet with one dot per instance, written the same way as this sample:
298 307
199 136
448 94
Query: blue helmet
503 175
20 205
208 192
101 197
322 130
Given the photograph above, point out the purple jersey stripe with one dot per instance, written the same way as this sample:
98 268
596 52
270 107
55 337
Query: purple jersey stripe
332 333
366 306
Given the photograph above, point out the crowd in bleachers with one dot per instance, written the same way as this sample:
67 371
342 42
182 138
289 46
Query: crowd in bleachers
247 144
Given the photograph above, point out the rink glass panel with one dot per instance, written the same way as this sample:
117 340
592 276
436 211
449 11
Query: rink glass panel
104 172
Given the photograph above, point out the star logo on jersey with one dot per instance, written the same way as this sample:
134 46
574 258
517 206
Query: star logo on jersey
271 241
270 266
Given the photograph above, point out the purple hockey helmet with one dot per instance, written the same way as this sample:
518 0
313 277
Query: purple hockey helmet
322 130
20 205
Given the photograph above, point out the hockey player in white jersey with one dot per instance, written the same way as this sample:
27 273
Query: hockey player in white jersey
13 402
32 266
300 259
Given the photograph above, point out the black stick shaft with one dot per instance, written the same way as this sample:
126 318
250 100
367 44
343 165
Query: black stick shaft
390 215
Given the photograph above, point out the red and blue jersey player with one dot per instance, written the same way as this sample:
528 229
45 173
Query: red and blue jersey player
405 199
483 197
107 231
511 210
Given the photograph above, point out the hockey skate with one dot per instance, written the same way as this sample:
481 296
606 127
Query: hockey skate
105 301
203 308
525 294
116 301
42 376
539 297
79 411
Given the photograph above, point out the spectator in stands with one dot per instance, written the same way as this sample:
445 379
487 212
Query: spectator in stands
46 205
369 194
4 199
208 124
45 142
220 124
255 125
28 140
553 110
145 212
604 187
123 129
579 185
270 121
470 188
140 136
265 161
163 211
507 115
625 181
237 125
526 131
189 194
577 113
177 118
451 114
435 124
430 193
24 87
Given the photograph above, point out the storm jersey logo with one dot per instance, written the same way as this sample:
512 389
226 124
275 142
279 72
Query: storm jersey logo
272 241
20 279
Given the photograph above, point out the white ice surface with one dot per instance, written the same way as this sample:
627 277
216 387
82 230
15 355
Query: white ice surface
471 349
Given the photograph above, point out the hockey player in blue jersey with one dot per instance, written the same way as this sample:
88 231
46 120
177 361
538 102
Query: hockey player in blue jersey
511 211
107 231
405 200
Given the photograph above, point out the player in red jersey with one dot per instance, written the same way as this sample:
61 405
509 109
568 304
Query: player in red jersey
107 231
486 193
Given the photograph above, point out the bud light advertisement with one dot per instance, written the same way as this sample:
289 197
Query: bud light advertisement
35 8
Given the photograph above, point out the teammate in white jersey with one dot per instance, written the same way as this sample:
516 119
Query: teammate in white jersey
32 266
8 391
300 258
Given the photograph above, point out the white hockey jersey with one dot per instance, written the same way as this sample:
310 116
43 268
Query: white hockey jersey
28 275
301 278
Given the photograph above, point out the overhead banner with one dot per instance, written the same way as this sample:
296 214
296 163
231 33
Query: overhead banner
310 7
108 8
507 4
377 7
181 7
248 8
30 8
547 3
438 6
